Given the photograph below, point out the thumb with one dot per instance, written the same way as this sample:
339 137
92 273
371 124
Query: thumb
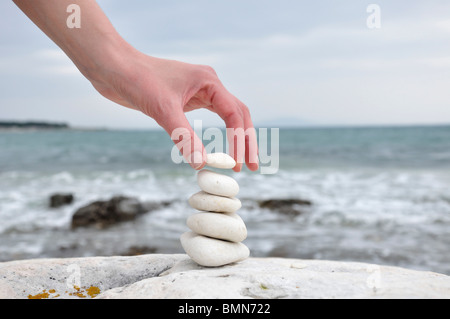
184 137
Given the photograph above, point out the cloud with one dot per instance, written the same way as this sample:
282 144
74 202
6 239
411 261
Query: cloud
296 59
42 62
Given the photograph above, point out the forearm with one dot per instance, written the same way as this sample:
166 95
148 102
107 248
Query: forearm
94 47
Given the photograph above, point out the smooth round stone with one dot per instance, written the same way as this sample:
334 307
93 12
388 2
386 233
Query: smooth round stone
226 226
220 160
213 203
217 184
211 252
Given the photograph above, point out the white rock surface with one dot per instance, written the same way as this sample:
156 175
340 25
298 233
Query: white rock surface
176 276
226 226
217 184
220 160
212 252
212 203
19 279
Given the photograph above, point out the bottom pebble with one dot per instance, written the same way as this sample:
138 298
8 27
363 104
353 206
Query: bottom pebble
212 252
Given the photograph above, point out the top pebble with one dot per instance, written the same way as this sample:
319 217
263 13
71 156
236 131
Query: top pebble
220 160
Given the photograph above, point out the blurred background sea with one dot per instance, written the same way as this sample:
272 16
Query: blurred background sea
378 194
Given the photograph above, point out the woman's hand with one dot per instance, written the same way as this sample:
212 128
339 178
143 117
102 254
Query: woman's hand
166 89
162 89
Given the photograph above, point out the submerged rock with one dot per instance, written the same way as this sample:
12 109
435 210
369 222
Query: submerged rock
58 200
139 250
290 207
105 213
118 209
280 203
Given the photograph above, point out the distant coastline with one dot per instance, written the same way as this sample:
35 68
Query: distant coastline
12 125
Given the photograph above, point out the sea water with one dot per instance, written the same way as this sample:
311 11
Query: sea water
379 194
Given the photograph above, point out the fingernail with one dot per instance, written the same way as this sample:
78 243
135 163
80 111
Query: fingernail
256 161
196 159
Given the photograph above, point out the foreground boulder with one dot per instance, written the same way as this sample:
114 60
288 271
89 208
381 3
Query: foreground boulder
77 277
177 276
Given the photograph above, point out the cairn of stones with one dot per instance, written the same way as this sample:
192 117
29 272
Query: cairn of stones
216 231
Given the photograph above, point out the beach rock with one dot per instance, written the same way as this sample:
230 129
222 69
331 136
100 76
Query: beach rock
217 184
58 200
161 276
220 160
289 207
226 226
212 203
212 252
71 278
105 213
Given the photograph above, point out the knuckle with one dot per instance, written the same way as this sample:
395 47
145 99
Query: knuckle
210 69
245 109
234 115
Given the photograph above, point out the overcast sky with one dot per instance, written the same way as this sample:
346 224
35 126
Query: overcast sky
291 62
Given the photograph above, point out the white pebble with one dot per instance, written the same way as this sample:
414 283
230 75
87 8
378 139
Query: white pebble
226 226
212 252
297 265
212 203
217 184
220 160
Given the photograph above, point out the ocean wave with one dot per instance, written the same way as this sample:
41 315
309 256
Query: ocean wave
359 213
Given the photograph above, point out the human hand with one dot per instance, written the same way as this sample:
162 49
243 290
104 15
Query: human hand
162 89
166 89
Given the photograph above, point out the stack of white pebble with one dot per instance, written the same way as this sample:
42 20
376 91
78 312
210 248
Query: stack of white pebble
216 231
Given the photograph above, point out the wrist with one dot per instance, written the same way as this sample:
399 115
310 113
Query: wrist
107 56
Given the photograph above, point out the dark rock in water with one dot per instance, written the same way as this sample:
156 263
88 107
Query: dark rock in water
277 203
139 250
288 207
58 200
279 252
105 213
149 206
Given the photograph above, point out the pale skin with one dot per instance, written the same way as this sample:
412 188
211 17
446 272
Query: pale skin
162 89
